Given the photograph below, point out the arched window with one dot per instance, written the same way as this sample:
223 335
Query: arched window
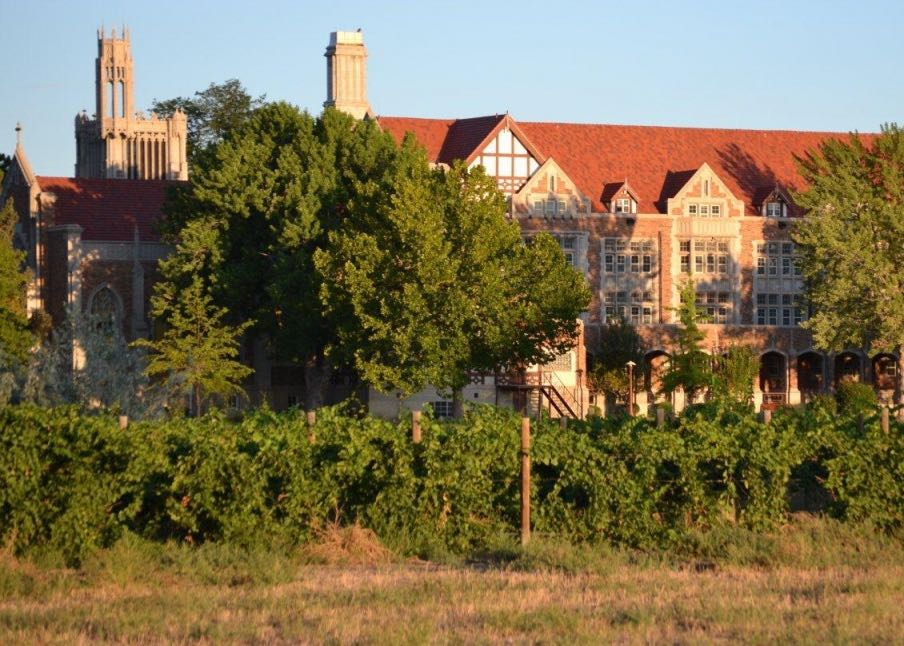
105 309
122 99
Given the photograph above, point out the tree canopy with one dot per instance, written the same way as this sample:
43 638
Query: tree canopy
15 337
851 242
418 275
211 113
437 282
259 206
619 343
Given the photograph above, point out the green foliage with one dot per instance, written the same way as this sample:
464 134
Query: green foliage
689 368
738 370
197 351
855 216
211 114
619 344
855 398
87 363
436 282
15 336
260 205
71 483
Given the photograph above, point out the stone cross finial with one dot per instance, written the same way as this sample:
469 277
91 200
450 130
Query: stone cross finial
18 134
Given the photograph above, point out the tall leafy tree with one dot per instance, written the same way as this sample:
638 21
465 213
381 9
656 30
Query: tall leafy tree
197 352
852 242
259 206
436 282
619 343
690 368
211 113
15 337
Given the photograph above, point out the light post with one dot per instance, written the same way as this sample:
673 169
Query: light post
631 365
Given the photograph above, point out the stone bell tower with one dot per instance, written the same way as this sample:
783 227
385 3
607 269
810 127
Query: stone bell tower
117 142
346 74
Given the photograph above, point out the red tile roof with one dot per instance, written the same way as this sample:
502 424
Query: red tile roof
445 140
107 209
655 161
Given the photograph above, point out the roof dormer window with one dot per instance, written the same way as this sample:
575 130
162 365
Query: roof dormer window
624 205
775 209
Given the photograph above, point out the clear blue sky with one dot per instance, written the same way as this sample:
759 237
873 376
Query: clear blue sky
818 65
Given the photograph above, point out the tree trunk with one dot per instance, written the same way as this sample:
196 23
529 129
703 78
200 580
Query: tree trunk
458 403
196 401
899 391
317 372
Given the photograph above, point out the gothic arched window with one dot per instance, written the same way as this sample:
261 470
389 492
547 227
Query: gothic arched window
105 309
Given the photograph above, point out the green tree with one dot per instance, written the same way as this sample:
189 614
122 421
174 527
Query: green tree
5 161
738 368
852 242
690 368
15 336
436 282
619 344
87 362
211 114
197 350
259 206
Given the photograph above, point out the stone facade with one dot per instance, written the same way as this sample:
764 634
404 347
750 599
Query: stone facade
636 209
116 141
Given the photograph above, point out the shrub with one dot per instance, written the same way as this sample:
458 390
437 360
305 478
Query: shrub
855 398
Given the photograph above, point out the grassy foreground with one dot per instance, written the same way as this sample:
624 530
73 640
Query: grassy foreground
812 582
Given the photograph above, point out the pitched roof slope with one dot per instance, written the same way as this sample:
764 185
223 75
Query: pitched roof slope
656 161
108 209
445 139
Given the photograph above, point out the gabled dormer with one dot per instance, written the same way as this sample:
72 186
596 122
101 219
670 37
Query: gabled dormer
775 203
620 198
508 155
705 195
550 193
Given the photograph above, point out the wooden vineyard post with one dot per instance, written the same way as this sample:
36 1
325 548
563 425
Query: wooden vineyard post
416 426
660 416
563 422
885 420
525 480
311 419
123 422
767 415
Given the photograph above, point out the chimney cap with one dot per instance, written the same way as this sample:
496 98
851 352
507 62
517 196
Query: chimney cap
346 38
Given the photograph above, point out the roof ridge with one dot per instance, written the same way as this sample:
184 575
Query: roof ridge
693 128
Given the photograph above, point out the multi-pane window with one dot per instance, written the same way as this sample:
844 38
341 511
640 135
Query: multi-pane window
637 306
704 256
779 309
621 255
623 205
550 207
568 245
716 305
705 210
775 209
442 409
778 285
777 259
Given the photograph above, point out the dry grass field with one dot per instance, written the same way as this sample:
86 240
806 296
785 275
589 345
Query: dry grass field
141 593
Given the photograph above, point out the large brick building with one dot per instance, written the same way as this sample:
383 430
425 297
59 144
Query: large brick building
635 208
